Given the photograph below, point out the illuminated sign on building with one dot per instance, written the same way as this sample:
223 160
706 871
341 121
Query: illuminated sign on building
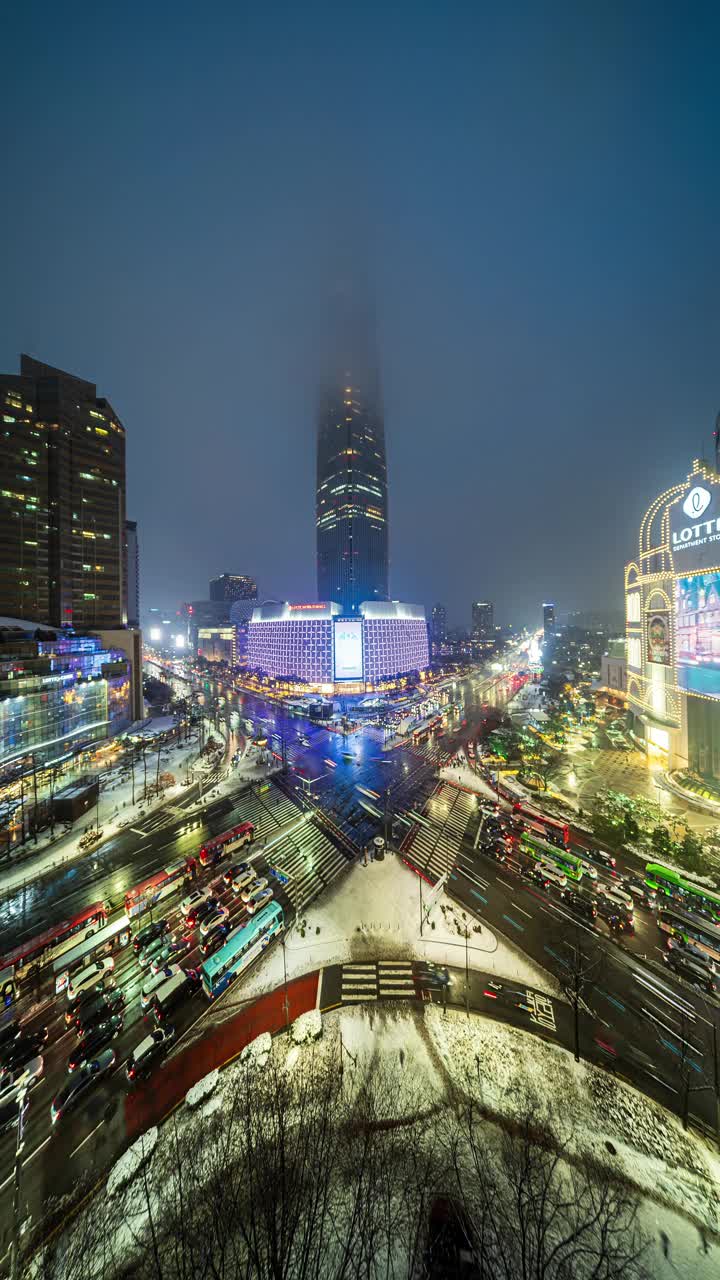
697 630
348 649
695 529
658 638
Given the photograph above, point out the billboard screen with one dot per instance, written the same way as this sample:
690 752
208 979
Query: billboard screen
695 528
348 650
698 633
658 637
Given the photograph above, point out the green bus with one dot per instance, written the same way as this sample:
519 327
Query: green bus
543 851
699 935
672 884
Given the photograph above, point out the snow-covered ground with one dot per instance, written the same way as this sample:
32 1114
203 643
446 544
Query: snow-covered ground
431 1059
373 912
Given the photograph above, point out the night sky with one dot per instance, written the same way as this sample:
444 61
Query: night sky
531 193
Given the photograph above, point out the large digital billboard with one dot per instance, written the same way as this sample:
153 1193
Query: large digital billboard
658 637
695 528
348 650
697 629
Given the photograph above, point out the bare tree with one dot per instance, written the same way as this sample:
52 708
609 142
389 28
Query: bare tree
577 968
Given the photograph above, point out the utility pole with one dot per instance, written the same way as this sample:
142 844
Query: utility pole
15 1243
467 973
421 905
35 799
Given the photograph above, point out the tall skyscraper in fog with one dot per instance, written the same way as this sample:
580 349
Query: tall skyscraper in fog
351 495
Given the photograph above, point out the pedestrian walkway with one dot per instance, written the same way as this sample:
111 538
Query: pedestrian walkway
377 980
435 845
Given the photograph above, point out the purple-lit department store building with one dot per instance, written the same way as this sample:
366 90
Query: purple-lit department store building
314 645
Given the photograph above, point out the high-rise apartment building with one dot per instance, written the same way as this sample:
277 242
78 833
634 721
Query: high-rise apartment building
233 586
438 625
132 560
483 626
548 620
62 500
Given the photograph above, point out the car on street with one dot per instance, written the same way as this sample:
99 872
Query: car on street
151 984
98 1011
254 887
174 950
82 1080
9 1032
258 900
641 892
243 878
588 869
616 921
148 1053
193 900
605 859
691 969
26 1045
146 956
537 876
237 869
620 898
101 988
96 1038
213 919
149 933
88 976
21 1078
215 939
199 913
580 903
553 874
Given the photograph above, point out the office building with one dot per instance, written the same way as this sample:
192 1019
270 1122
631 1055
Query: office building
315 645
351 495
132 560
62 500
483 627
548 621
438 626
233 586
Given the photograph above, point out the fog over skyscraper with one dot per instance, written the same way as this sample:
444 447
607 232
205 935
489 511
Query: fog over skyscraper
351 496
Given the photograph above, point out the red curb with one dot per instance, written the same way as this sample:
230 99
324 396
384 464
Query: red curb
151 1101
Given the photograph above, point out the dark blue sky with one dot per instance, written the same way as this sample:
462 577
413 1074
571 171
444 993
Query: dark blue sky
533 191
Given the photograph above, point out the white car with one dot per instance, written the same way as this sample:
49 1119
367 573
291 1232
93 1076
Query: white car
88 977
218 916
617 896
553 874
21 1078
260 899
156 980
194 899
245 878
253 889
589 869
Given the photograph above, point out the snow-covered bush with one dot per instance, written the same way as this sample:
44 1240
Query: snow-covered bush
307 1027
132 1161
257 1052
202 1089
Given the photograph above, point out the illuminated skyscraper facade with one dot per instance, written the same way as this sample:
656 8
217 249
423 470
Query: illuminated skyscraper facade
351 498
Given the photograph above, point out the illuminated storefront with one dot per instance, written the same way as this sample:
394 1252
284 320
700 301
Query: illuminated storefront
312 644
57 696
672 605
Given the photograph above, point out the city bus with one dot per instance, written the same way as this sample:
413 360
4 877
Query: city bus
242 948
222 846
110 938
672 884
33 954
148 892
542 851
700 934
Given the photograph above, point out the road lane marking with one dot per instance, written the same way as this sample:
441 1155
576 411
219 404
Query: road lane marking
515 923
522 909
89 1136
475 894
38 1148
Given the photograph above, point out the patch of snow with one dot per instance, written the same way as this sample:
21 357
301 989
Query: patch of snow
257 1052
307 1027
202 1089
132 1161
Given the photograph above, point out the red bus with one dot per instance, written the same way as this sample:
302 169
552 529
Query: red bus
148 892
44 947
558 833
221 846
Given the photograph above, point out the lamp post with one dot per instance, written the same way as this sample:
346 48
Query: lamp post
19 1144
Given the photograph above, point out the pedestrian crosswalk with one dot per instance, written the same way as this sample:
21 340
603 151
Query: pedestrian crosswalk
303 853
436 843
377 980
